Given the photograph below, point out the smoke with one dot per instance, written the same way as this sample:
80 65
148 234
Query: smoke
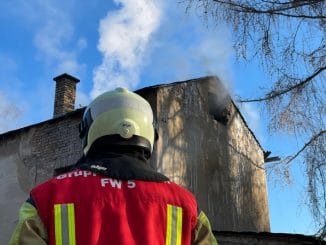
124 40
186 46
9 113
253 118
10 102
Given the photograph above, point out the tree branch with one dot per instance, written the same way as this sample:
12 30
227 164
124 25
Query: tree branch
273 11
275 94
290 5
313 138
284 14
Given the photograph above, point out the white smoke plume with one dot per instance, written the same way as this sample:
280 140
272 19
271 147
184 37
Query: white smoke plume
124 38
253 118
9 113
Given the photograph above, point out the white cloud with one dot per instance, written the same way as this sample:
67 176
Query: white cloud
49 28
186 47
82 43
124 40
54 34
51 23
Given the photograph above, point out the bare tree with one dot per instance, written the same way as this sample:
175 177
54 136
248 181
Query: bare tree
288 36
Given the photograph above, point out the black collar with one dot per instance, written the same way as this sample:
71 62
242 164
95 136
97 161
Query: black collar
131 166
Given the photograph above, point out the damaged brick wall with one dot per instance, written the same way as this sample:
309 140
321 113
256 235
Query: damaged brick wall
209 149
204 144
29 157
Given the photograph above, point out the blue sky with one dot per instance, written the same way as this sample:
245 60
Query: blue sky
132 43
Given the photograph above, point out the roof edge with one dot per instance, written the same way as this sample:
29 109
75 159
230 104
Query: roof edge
52 120
79 110
202 79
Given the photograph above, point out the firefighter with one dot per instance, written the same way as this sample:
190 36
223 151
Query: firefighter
112 195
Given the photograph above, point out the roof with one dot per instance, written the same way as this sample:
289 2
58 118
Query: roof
200 79
67 76
77 112
139 91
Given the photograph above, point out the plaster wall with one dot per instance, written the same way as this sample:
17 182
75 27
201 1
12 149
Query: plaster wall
219 162
29 157
222 163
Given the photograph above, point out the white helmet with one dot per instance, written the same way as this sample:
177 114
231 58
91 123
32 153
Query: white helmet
118 117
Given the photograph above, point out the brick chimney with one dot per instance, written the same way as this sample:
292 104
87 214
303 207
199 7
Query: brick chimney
65 94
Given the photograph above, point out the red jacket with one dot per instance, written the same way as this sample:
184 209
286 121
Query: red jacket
85 208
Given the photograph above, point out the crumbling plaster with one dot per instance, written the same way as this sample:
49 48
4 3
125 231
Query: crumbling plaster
219 161
28 157
221 164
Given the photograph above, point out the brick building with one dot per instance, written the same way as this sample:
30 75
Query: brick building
204 144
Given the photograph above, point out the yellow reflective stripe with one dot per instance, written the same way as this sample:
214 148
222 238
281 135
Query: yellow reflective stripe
71 224
168 225
57 224
174 225
64 224
179 225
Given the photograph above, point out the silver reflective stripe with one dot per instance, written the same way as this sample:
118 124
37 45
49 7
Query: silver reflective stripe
174 226
64 224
